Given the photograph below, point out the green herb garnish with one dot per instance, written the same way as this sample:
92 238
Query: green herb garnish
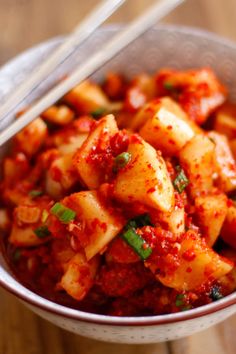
181 181
16 255
42 231
98 112
133 239
138 244
121 160
186 308
62 213
215 293
35 193
140 221
44 216
180 300
168 85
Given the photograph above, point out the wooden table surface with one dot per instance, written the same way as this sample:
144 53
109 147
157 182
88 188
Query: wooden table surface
22 24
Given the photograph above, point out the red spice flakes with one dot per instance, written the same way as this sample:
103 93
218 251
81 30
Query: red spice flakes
189 270
131 198
209 269
80 230
171 141
179 199
136 139
97 223
56 173
57 229
217 213
123 279
169 127
156 101
149 109
47 158
191 104
192 296
119 251
152 190
229 203
193 235
106 190
119 142
83 124
101 155
189 255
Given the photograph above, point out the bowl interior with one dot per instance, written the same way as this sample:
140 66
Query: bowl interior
164 46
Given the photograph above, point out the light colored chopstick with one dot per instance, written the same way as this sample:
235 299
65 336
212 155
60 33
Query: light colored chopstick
110 49
80 33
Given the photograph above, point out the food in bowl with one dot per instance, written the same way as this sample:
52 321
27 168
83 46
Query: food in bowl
119 199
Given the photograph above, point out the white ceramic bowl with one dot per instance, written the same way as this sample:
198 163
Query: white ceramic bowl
178 47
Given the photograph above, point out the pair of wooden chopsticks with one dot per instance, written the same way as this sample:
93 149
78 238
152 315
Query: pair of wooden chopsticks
110 49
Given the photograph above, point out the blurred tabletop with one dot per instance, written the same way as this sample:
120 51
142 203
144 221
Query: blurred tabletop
24 23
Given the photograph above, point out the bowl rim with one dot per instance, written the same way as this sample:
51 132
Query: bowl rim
43 304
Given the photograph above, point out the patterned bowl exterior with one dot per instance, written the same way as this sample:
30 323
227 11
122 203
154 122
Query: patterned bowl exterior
163 46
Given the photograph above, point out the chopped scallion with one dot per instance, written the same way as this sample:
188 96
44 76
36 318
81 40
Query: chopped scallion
168 85
63 213
179 300
140 221
215 293
16 255
144 220
35 193
186 308
42 231
181 181
121 160
45 215
98 112
137 243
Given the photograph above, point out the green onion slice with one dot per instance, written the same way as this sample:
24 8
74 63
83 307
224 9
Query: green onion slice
180 300
45 215
16 255
98 112
186 308
140 221
121 160
168 85
181 181
35 193
42 231
62 213
137 243
215 293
